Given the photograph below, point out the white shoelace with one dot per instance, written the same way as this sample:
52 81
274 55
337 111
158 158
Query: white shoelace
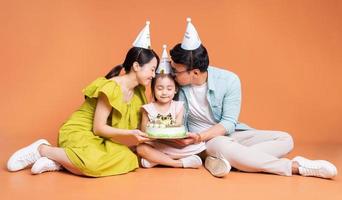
309 172
220 156
53 166
311 169
29 158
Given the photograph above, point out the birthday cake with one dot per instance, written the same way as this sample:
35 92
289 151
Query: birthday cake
165 128
161 132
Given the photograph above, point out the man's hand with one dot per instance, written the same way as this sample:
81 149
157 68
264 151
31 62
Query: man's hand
192 138
195 136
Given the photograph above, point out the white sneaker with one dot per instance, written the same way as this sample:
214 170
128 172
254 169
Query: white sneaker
193 161
25 156
147 164
318 168
44 164
218 167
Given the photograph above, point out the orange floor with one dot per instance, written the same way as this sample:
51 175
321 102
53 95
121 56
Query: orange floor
167 183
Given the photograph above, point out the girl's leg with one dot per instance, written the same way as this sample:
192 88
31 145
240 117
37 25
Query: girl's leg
58 155
153 155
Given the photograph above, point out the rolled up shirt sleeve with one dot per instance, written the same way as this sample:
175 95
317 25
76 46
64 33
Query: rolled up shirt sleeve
231 106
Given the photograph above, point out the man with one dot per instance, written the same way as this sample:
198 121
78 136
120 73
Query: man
212 99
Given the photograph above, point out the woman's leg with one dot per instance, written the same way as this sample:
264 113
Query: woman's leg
35 153
58 155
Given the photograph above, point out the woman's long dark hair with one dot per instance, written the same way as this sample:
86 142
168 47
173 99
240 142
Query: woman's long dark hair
135 54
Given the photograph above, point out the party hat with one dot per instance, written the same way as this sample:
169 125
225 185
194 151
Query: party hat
191 39
164 65
143 40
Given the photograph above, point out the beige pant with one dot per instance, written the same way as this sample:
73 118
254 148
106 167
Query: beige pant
254 151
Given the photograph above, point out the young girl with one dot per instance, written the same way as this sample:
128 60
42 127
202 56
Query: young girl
95 140
165 108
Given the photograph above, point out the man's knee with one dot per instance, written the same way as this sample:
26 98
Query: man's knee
288 139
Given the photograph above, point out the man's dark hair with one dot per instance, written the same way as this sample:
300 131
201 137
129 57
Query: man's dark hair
193 59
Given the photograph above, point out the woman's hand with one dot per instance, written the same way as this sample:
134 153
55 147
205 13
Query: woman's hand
140 136
131 138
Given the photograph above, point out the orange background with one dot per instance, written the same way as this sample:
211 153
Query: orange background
287 54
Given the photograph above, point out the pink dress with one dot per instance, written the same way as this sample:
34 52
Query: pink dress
174 109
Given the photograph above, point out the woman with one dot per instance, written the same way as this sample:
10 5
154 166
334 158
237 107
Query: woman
95 140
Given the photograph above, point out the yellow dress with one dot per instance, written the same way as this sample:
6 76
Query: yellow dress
93 155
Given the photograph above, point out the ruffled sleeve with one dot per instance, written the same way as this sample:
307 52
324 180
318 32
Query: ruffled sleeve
108 87
151 111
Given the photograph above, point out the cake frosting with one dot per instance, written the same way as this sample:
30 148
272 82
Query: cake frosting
163 132
165 127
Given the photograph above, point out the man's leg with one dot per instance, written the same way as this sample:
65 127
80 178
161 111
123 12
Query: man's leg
248 159
261 151
276 143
